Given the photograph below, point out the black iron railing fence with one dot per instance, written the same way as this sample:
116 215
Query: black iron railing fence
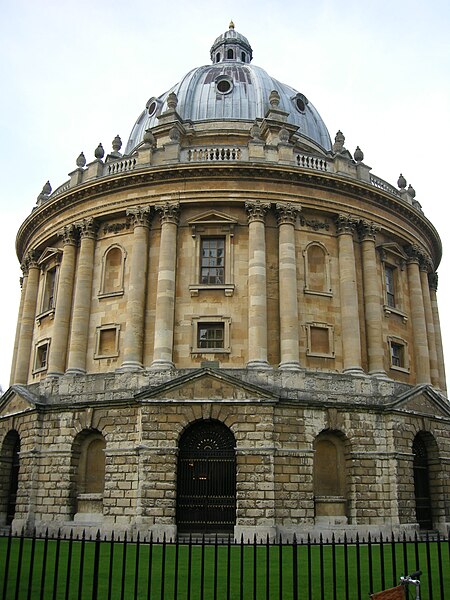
208 568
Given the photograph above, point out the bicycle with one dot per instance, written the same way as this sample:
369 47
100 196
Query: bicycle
401 592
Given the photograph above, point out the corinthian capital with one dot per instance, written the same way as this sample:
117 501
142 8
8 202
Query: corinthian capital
256 211
169 212
346 224
415 254
367 230
30 260
68 235
87 228
433 281
287 213
140 216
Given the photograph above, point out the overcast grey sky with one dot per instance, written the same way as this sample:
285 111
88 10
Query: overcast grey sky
74 74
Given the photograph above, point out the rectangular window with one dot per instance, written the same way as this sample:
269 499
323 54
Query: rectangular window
48 301
212 261
397 355
107 344
390 285
210 335
41 357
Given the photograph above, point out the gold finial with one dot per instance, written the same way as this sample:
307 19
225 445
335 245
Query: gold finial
231 25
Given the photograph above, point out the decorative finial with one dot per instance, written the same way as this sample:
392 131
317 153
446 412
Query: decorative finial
172 101
339 140
149 138
99 152
359 154
116 144
231 25
411 191
274 99
401 182
47 189
81 161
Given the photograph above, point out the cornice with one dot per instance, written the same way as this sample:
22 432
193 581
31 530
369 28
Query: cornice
248 171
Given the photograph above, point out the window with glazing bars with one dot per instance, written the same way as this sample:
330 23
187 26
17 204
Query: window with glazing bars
390 286
397 355
210 335
212 267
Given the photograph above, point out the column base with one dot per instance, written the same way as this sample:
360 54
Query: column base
129 366
258 364
379 374
289 365
162 365
75 371
354 371
54 375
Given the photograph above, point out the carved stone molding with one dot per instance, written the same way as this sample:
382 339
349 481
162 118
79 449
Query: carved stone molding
87 228
346 224
287 213
169 212
140 216
433 281
256 211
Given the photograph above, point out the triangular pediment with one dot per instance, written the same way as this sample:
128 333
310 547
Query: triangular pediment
208 385
393 249
48 254
16 400
213 217
424 400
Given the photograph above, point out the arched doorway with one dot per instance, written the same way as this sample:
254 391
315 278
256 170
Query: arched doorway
422 484
9 477
206 479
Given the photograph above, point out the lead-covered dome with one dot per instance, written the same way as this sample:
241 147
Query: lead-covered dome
232 89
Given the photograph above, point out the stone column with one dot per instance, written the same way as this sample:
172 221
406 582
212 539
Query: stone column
31 285
23 281
257 285
372 299
287 274
135 320
83 297
61 321
165 294
425 266
433 282
351 335
420 340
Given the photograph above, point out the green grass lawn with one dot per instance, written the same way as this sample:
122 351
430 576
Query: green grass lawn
149 571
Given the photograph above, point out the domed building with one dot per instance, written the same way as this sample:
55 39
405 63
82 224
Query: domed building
231 327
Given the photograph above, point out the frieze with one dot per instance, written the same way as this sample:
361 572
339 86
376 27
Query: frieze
95 188
116 227
314 224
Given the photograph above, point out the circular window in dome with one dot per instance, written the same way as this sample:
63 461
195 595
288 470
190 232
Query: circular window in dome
300 102
224 85
152 106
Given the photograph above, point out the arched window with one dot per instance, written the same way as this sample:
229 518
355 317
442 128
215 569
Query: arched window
422 477
113 272
218 57
317 269
230 54
88 462
9 476
206 478
330 487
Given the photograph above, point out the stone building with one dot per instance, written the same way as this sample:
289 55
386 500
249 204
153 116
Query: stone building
230 327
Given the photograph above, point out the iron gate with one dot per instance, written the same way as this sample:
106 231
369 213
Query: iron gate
422 485
206 479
